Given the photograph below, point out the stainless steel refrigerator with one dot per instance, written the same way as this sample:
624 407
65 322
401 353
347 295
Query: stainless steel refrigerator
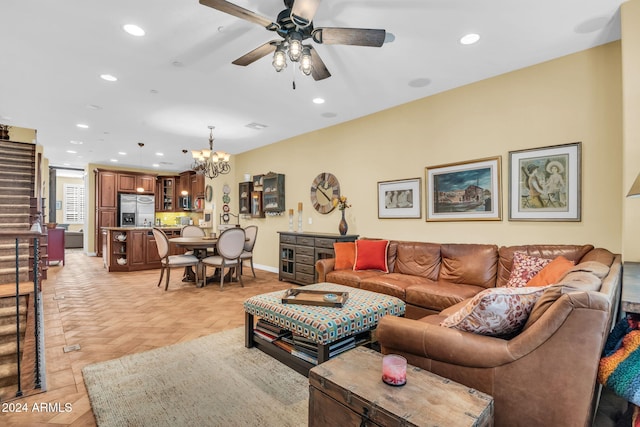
136 210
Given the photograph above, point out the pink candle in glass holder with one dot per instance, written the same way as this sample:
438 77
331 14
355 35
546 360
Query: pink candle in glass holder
394 369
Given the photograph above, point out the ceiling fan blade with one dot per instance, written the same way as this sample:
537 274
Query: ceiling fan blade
303 11
257 53
350 36
237 11
318 69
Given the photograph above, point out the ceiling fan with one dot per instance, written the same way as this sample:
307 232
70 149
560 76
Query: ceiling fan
294 25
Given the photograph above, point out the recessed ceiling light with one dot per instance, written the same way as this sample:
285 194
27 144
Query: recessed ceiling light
114 160
134 30
122 153
76 142
108 77
94 107
66 164
155 165
82 126
470 38
72 152
329 115
159 154
318 101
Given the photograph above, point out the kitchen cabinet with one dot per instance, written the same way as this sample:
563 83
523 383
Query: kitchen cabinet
166 194
107 194
130 182
133 249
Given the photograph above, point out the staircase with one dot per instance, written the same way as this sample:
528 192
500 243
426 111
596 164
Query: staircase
17 212
8 344
17 163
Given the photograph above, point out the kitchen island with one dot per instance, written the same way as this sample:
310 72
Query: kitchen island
134 248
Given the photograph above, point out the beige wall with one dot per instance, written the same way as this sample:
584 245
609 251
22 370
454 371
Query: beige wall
573 98
630 14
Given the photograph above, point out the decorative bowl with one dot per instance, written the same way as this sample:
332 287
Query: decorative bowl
121 261
330 297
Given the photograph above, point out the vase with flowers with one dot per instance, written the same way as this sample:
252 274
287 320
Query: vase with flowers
342 205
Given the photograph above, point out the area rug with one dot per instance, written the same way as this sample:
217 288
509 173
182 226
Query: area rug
210 381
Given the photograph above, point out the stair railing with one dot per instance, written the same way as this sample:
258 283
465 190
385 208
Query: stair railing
35 271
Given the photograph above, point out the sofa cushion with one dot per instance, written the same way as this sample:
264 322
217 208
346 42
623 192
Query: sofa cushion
418 259
469 264
573 253
548 297
495 312
581 280
371 255
552 272
345 255
596 268
524 268
393 284
438 296
350 277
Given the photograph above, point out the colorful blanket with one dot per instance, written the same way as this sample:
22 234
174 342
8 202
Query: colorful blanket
620 363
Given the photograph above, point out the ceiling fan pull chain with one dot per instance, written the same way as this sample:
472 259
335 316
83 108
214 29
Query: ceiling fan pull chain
293 82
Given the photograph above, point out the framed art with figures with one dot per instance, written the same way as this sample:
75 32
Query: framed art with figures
545 183
399 199
464 191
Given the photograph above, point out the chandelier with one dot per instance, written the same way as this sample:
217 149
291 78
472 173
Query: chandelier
297 52
208 162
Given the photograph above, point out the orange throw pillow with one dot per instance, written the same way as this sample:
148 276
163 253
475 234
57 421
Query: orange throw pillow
371 255
552 272
345 255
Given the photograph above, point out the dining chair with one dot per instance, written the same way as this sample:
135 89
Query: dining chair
190 231
167 262
229 246
251 232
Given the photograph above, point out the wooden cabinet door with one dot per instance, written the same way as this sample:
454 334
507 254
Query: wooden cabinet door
146 182
135 247
107 197
126 183
104 218
151 250
197 186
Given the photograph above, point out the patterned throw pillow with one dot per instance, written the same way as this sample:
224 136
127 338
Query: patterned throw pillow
495 311
524 267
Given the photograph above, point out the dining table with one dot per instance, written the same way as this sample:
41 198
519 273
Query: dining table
200 246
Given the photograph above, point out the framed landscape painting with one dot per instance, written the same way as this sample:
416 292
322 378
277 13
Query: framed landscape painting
399 199
545 183
464 191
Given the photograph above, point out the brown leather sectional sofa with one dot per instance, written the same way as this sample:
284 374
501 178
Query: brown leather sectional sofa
543 376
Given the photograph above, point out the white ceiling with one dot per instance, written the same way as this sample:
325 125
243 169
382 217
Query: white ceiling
178 79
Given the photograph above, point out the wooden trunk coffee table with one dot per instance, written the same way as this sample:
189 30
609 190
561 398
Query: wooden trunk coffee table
348 390
323 325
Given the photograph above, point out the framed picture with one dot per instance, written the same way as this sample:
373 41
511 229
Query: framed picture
465 191
545 183
399 199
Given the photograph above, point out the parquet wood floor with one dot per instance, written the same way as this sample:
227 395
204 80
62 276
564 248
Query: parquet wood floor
115 314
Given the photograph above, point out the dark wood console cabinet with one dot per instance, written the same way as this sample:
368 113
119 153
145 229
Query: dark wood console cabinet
300 251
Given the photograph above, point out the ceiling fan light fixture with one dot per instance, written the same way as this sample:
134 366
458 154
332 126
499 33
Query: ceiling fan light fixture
305 61
280 58
295 46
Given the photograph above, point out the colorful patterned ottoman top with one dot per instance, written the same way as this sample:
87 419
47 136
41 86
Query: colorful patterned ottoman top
321 324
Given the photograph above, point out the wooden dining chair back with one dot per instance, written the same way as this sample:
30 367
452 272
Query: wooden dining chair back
251 233
167 262
230 246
